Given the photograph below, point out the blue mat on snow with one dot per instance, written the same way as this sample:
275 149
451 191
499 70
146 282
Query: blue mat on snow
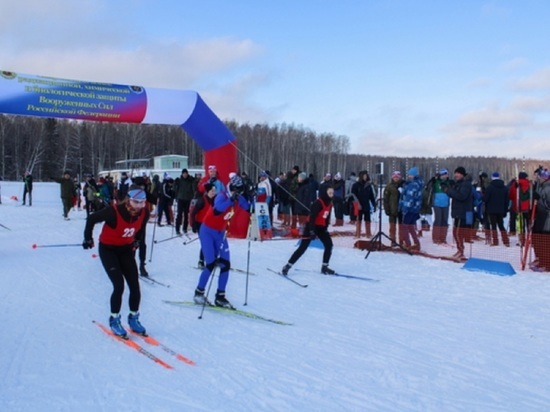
494 267
316 243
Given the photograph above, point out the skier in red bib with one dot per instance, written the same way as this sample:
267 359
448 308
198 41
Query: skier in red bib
317 225
120 236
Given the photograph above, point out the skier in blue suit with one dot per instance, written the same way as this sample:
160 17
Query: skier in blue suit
212 235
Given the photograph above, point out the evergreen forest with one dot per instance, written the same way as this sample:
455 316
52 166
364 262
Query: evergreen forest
46 147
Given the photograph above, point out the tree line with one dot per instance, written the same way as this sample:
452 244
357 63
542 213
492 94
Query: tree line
46 147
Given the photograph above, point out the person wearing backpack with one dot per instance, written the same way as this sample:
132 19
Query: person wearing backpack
441 203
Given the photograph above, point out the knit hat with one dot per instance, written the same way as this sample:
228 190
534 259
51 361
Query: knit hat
235 183
328 174
544 174
184 171
303 175
263 174
460 170
396 173
137 194
413 171
212 168
522 175
495 176
139 181
443 171
337 176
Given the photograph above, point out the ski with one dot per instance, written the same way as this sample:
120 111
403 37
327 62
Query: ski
288 278
342 275
155 342
134 345
353 277
242 271
153 281
237 312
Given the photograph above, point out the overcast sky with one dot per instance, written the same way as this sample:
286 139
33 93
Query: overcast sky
407 78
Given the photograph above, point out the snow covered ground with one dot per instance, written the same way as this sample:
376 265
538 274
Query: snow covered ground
424 336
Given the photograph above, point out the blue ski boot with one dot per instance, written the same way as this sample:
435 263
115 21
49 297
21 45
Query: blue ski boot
116 327
133 322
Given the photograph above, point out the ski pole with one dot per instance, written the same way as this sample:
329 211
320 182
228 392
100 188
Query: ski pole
248 253
153 244
34 246
5 227
167 239
186 242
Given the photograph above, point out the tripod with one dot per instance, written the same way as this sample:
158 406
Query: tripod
376 241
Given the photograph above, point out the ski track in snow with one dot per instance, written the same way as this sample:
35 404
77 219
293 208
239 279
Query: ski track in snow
427 337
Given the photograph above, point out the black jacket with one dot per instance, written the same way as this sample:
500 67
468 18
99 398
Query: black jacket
496 198
461 194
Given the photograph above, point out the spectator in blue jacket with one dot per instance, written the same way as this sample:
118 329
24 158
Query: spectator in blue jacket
409 205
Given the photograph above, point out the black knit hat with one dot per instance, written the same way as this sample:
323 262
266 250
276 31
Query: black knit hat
460 170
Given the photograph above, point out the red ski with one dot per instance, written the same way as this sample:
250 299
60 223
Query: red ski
134 345
154 342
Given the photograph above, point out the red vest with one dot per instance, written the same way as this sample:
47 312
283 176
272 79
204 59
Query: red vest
200 215
321 218
218 222
124 233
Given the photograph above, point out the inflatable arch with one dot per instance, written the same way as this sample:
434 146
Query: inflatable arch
31 95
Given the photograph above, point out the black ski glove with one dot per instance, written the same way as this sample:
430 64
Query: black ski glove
235 196
88 244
